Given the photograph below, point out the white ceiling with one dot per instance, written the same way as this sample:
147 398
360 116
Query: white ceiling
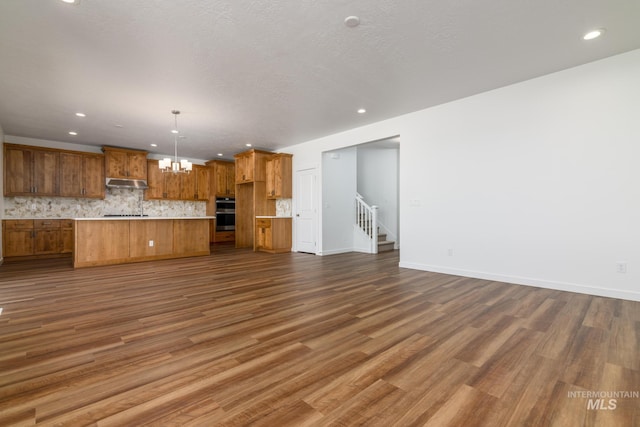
274 72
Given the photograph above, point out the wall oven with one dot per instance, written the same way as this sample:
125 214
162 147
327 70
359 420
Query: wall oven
225 214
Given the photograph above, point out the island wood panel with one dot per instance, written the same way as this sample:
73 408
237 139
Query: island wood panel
100 242
104 242
191 237
158 231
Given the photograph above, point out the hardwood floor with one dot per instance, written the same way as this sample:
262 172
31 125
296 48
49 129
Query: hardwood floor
242 338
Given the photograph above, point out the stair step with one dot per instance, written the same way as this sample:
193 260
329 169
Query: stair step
382 237
386 245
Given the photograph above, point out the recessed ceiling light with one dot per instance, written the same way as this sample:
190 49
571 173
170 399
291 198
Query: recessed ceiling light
174 130
352 21
220 154
118 126
248 145
71 1
362 111
81 115
154 145
593 34
73 133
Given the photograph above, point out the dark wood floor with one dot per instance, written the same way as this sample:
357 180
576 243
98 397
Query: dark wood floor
242 338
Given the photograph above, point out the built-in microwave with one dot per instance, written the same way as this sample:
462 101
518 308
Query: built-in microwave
225 214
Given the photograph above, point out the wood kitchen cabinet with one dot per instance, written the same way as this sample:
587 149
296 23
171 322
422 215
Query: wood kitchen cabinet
66 231
251 166
82 175
125 163
273 235
251 194
188 185
36 237
118 241
278 171
223 178
203 182
34 171
17 238
195 185
177 186
30 171
162 185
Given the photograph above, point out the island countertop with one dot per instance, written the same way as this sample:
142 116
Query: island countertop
138 217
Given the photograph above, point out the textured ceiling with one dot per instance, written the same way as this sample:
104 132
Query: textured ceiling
274 72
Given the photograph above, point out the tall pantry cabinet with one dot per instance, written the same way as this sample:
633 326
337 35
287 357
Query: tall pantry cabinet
222 185
251 194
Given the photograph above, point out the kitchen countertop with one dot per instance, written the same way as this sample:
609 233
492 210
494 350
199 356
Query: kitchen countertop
120 218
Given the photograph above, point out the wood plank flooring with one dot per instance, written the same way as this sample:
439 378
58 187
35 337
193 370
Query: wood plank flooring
242 338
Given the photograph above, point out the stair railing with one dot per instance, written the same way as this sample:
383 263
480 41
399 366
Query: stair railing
367 220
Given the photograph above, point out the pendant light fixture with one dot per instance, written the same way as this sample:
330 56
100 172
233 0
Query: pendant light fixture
175 166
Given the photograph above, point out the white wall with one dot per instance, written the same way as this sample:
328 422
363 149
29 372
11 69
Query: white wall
535 183
378 184
338 193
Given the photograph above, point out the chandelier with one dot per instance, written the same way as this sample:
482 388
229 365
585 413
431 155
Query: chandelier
175 166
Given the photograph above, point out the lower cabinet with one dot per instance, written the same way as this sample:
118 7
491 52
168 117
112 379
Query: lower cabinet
273 234
36 237
224 236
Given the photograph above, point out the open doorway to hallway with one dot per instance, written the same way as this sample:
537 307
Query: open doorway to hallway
370 170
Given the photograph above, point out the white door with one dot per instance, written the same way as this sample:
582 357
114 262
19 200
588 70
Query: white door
306 210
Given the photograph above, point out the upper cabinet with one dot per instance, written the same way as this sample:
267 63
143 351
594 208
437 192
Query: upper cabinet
251 166
278 169
82 175
203 183
34 171
177 186
124 163
162 185
30 171
223 179
195 185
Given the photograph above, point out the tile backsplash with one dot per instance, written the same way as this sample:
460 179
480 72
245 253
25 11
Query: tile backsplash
116 201
283 207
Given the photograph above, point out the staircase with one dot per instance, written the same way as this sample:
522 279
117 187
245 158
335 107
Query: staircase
384 244
366 221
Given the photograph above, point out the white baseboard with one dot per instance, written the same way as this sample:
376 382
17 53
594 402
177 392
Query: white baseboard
527 281
336 251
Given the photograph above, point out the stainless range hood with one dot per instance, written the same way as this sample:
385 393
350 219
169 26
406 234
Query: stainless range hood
140 184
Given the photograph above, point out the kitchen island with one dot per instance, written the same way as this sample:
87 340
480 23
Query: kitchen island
119 240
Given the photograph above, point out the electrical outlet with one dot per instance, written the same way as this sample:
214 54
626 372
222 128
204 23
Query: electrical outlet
150 243
621 267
